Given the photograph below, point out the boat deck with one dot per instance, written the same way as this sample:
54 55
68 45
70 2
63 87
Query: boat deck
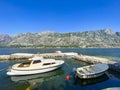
89 70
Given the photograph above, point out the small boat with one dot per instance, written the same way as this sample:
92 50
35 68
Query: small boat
35 65
91 71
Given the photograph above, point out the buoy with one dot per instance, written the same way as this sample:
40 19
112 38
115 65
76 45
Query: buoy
67 77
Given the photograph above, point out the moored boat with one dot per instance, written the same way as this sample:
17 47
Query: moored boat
91 71
35 65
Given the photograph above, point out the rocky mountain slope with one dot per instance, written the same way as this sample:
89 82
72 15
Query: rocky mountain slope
5 39
98 38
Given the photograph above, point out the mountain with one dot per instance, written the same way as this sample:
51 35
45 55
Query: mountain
97 38
5 39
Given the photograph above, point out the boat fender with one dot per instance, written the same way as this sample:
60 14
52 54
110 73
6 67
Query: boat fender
67 77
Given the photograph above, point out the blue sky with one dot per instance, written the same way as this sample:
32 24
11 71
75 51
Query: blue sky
19 16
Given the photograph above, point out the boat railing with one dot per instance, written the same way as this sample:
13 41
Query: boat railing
81 71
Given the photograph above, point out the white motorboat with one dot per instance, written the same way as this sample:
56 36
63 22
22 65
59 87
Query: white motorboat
91 71
35 65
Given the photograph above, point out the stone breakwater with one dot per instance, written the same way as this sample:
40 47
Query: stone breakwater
114 65
16 56
19 56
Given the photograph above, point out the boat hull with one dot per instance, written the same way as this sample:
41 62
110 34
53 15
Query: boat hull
13 72
90 76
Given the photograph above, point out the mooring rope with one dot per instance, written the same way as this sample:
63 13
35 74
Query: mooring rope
2 69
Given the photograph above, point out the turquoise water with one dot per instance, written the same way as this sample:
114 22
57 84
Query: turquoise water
55 80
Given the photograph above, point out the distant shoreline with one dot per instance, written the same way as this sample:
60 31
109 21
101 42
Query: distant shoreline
56 47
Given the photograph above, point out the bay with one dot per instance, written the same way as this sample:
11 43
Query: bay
55 80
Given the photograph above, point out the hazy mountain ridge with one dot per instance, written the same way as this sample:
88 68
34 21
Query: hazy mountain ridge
98 38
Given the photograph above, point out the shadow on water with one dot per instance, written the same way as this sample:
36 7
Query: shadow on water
85 82
33 81
113 73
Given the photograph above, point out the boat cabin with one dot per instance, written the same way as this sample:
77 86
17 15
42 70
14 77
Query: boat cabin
37 60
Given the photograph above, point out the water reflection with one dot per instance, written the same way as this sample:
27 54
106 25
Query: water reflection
33 81
84 82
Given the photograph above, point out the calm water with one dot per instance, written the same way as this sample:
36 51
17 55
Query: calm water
55 80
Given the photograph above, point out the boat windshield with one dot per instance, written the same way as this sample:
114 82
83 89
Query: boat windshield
36 61
25 64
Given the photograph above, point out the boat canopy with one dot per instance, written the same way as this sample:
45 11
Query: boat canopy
36 58
47 60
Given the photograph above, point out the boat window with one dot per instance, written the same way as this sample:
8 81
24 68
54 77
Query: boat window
49 63
36 61
25 64
53 62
